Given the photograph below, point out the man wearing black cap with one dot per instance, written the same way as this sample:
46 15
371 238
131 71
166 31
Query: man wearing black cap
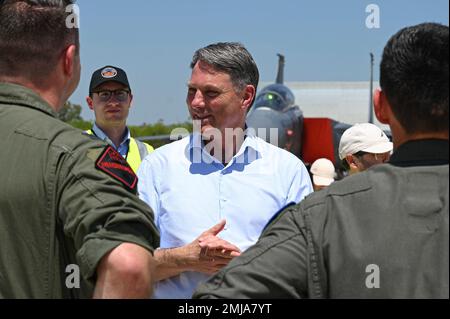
110 98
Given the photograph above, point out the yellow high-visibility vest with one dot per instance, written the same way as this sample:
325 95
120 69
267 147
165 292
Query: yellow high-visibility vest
137 151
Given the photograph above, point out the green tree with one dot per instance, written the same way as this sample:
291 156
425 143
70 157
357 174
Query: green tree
158 129
81 124
70 112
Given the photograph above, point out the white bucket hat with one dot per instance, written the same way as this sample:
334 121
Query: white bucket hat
322 171
364 137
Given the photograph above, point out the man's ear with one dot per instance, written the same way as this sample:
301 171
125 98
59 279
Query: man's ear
349 159
131 99
381 106
69 60
90 102
351 162
249 95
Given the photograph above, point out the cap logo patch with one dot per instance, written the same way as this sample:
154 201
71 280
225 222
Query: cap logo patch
113 164
109 73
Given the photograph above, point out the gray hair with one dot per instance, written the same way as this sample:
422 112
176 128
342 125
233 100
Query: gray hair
231 58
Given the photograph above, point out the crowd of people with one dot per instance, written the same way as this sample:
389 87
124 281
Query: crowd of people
220 213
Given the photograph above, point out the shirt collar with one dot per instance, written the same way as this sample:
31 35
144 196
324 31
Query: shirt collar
250 141
250 148
101 135
23 96
427 152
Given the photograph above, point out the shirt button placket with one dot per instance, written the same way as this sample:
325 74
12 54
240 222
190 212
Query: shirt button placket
222 200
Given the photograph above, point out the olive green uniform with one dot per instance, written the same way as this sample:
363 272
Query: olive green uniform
56 207
383 233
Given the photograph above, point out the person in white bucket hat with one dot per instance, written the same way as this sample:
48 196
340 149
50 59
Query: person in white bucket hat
362 146
322 171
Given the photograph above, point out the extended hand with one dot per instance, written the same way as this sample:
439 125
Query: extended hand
209 253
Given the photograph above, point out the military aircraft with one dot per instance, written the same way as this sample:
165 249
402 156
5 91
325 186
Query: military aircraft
307 138
275 110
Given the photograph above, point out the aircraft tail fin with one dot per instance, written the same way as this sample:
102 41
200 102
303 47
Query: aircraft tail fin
280 75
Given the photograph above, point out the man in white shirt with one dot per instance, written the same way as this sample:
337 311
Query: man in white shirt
222 180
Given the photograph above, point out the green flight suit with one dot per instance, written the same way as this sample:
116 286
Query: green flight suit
56 208
383 233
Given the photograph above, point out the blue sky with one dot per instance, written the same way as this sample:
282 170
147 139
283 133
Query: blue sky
154 40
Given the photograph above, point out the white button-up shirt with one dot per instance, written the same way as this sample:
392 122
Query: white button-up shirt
190 191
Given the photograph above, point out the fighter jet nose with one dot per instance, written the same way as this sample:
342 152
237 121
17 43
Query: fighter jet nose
261 118
268 125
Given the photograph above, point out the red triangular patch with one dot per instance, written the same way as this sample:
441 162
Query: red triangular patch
113 164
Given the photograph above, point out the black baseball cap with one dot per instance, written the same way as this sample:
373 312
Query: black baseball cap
106 74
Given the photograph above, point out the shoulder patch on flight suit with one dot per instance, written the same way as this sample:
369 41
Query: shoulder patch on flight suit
113 164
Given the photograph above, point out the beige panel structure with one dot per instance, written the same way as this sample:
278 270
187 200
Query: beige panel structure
346 102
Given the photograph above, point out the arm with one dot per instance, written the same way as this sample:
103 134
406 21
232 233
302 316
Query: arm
126 272
207 254
275 267
111 230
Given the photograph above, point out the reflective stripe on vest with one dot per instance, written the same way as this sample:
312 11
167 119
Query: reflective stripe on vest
137 151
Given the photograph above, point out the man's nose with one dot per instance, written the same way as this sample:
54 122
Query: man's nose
113 99
198 100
